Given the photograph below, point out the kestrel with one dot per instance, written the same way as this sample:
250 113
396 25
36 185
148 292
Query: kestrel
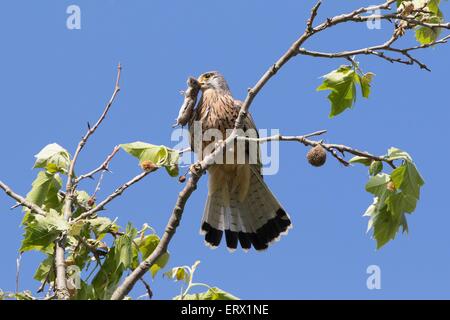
239 202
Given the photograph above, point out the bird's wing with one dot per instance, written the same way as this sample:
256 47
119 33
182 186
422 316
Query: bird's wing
249 123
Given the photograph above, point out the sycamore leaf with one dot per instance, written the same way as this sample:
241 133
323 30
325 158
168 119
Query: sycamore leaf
86 292
212 294
362 160
46 267
24 295
41 232
146 247
54 158
377 184
400 202
395 195
161 156
365 81
425 35
124 247
397 154
102 225
118 259
408 179
44 190
375 168
83 197
76 228
178 274
385 226
159 264
108 277
341 83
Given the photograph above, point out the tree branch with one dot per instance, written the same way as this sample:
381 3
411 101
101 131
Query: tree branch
171 227
61 285
60 265
330 147
112 196
21 200
103 167
70 175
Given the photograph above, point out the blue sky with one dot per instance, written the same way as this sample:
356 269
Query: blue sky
54 80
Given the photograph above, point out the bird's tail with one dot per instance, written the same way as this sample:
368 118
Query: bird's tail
249 214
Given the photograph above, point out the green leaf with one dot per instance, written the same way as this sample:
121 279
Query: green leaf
46 267
161 156
108 277
24 295
408 179
76 228
425 35
54 158
145 151
41 232
365 81
377 184
433 6
399 203
44 191
159 264
388 211
172 163
82 197
146 247
86 292
375 168
124 246
178 274
118 259
397 154
341 82
362 160
385 226
212 294
102 225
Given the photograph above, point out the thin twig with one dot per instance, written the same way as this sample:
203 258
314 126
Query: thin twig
147 288
112 196
61 285
103 167
330 147
378 51
21 200
313 16
19 258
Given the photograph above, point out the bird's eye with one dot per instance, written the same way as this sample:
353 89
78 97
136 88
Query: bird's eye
207 76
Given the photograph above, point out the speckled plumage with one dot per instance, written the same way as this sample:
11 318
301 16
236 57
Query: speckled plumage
239 203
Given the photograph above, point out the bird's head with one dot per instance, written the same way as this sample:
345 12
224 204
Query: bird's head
213 80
